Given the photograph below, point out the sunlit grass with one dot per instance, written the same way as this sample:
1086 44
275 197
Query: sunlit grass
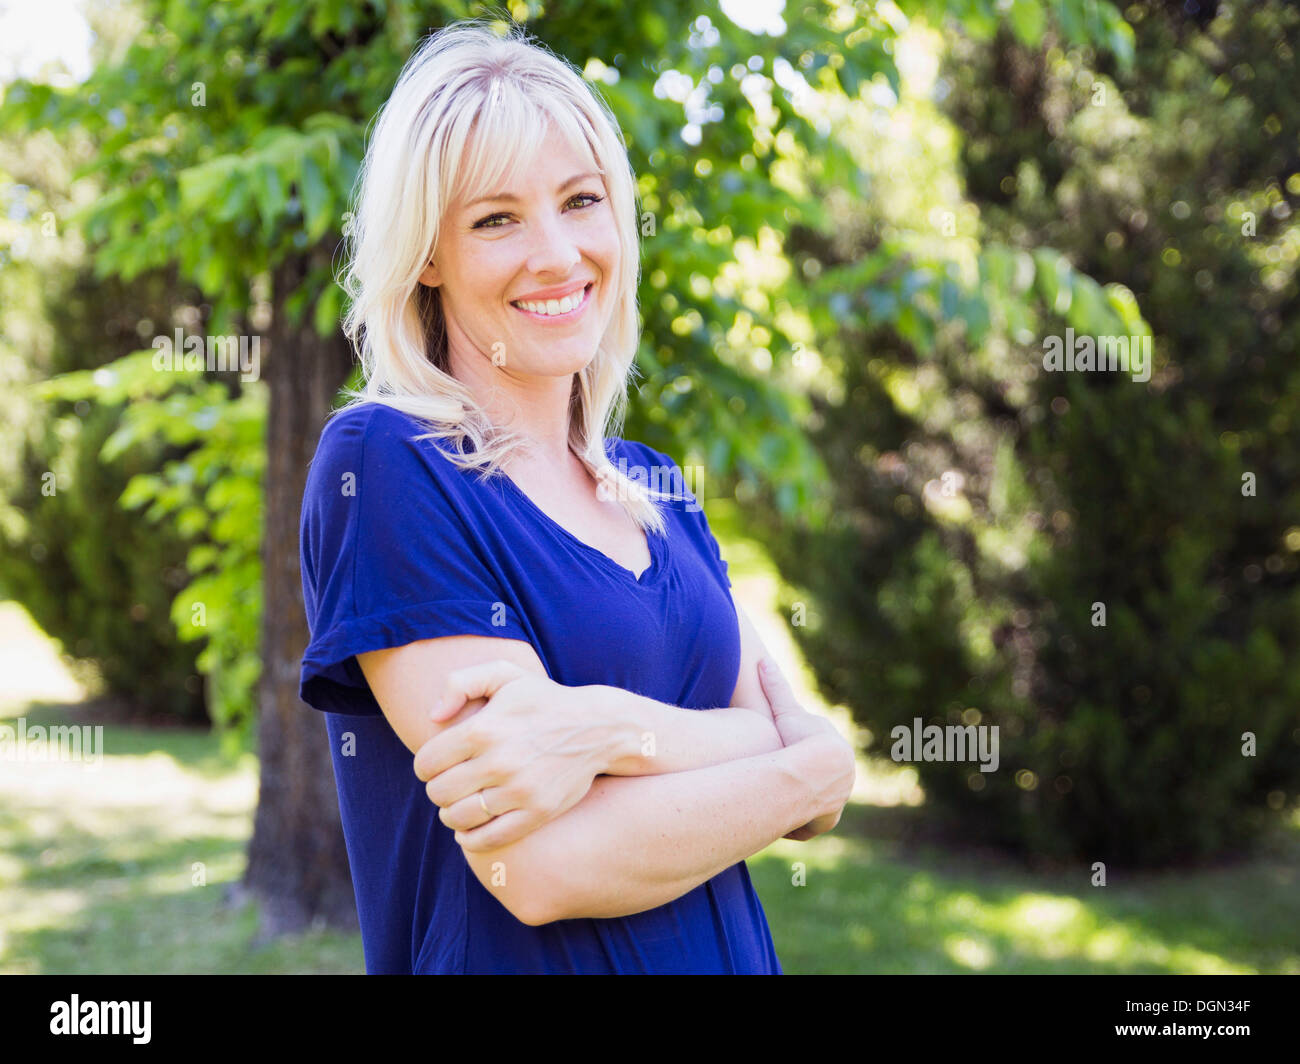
125 868
30 664
872 903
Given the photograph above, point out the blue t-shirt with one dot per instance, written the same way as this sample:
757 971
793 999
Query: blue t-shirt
397 545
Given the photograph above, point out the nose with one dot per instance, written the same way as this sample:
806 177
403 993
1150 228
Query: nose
553 251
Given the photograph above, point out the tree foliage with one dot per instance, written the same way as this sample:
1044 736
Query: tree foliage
227 139
1103 568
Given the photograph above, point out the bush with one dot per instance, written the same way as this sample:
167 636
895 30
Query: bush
93 575
209 494
1081 559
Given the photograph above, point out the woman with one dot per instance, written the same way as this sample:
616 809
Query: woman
511 626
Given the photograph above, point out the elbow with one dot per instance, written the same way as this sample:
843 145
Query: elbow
532 907
535 915
525 885
550 897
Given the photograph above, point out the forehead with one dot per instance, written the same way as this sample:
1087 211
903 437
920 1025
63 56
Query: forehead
502 158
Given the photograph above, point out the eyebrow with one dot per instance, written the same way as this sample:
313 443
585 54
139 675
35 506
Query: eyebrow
505 197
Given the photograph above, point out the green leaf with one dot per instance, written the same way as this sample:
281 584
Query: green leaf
316 202
1027 22
1052 279
326 317
140 489
269 191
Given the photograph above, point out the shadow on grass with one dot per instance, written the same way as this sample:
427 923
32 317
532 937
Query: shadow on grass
882 893
193 747
136 903
97 878
881 896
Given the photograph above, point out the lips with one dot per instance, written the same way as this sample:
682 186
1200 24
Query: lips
567 315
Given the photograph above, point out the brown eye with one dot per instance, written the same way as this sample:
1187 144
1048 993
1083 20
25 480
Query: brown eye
590 197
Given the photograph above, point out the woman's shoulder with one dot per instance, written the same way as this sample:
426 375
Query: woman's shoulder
658 470
618 447
372 467
376 428
367 419
374 443
632 458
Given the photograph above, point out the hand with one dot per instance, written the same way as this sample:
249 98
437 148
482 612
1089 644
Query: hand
793 722
532 750
795 725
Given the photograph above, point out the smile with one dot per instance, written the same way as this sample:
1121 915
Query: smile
556 310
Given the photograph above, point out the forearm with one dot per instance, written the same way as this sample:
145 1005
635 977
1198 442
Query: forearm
648 737
633 844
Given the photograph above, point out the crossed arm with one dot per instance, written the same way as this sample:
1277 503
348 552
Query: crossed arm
718 786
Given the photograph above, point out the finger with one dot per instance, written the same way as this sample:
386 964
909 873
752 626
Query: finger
467 814
467 710
457 741
462 781
449 747
499 831
474 681
779 693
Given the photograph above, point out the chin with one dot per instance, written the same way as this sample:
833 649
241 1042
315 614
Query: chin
560 364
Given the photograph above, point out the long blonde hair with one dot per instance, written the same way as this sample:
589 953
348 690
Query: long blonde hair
469 108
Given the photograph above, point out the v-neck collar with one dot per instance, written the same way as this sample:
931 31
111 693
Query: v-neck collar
651 574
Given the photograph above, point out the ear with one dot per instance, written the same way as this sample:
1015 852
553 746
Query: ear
431 275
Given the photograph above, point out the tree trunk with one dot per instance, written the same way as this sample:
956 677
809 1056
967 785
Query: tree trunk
297 863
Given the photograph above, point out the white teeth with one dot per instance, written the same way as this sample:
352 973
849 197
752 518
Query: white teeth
554 306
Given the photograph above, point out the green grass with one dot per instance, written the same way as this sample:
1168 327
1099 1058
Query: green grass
127 868
98 875
872 903
124 868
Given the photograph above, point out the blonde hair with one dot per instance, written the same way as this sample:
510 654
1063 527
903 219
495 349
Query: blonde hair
469 108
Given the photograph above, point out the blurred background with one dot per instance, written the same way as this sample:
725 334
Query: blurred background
865 228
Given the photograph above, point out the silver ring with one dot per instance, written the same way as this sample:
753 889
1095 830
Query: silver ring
484 805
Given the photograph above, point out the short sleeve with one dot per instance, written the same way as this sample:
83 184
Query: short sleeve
389 553
692 509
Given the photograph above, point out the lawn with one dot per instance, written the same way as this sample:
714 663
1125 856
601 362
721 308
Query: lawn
126 866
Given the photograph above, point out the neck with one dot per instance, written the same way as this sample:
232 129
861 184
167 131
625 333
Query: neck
535 407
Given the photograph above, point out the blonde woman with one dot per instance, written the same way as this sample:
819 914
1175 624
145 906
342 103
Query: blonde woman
514 622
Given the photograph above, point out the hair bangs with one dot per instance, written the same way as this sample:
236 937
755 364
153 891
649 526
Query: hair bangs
471 111
507 131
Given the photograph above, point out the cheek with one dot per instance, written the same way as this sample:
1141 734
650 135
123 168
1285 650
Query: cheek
486 272
613 251
601 230
606 248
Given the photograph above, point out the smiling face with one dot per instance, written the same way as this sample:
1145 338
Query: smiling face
526 272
